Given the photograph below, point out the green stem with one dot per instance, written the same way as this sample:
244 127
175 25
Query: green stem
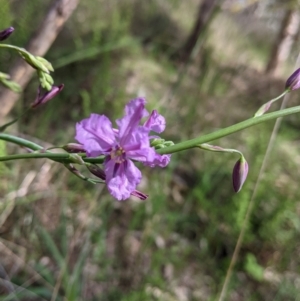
20 141
4 126
65 157
62 157
265 107
280 96
213 148
227 131
19 49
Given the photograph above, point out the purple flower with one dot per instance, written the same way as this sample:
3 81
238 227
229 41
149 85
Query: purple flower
120 146
293 82
157 123
43 98
4 34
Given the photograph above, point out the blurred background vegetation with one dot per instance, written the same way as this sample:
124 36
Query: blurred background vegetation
204 65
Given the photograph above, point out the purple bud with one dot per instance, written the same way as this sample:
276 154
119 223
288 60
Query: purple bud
97 171
74 148
239 174
293 82
41 99
4 34
140 195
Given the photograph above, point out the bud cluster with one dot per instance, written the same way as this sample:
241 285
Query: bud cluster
158 143
42 66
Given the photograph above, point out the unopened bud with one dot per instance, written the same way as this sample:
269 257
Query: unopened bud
239 174
97 171
142 196
45 79
46 63
11 85
33 61
157 141
74 148
293 82
49 79
168 143
4 34
41 99
213 148
75 158
77 173
263 109
4 76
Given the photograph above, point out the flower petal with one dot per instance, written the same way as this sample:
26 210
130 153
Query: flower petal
159 160
96 134
156 122
43 98
122 179
137 146
134 112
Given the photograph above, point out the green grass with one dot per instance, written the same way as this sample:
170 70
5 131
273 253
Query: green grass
85 245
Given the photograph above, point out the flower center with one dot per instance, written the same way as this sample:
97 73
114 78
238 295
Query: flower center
118 154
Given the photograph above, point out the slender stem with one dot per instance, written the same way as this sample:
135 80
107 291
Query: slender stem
227 131
19 49
65 157
280 96
265 107
4 126
20 141
217 149
53 156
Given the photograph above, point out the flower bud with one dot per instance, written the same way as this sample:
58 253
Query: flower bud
4 76
142 196
75 158
263 109
293 82
157 141
168 143
74 148
77 173
49 79
41 99
4 34
97 171
239 174
15 87
45 79
46 63
34 62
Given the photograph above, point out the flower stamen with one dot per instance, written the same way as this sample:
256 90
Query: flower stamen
118 155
